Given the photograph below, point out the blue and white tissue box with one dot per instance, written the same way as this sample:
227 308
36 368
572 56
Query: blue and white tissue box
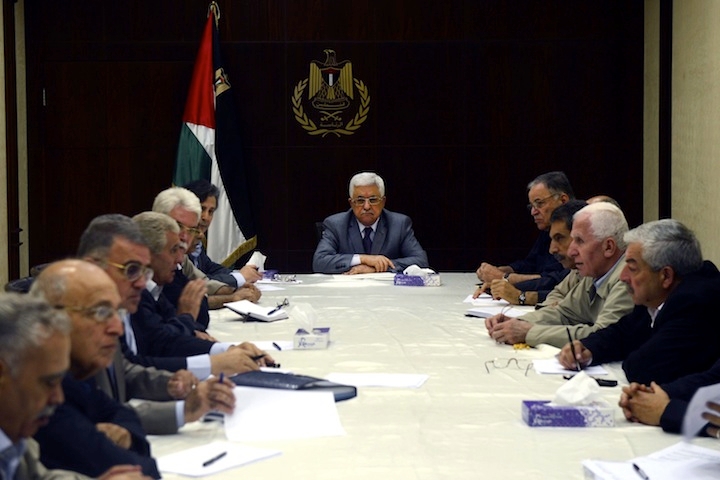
317 339
537 413
414 276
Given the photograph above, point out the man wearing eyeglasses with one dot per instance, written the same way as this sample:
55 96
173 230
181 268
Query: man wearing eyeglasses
184 207
596 301
90 432
115 243
539 270
367 238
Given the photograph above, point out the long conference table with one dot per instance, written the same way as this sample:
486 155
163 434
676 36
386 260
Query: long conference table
463 423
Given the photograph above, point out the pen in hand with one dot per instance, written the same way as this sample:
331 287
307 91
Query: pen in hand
572 349
216 457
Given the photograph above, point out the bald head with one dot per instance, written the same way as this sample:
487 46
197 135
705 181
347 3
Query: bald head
91 300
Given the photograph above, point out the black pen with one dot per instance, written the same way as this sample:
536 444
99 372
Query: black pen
640 472
269 365
214 459
276 346
572 349
274 310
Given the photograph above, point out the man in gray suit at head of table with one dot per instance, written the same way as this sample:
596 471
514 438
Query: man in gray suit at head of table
367 238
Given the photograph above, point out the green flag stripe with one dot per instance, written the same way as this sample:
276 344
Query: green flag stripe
192 162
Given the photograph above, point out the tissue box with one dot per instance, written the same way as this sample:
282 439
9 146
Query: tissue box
416 280
269 274
318 339
537 413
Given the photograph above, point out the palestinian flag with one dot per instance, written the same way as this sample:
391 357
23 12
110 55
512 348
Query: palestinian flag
209 148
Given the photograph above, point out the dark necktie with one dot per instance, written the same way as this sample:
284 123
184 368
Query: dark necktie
367 241
592 292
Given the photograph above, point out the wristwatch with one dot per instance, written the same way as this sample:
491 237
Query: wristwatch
521 298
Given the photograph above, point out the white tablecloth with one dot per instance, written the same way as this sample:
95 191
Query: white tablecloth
462 423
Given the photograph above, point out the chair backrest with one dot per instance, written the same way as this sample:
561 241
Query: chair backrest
319 230
21 285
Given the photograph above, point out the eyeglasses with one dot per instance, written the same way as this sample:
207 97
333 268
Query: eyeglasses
133 271
190 230
100 313
360 201
539 203
499 363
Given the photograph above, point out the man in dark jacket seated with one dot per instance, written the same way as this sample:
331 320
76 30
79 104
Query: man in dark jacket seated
673 330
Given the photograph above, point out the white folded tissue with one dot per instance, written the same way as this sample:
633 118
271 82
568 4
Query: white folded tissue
582 389
305 315
418 272
257 259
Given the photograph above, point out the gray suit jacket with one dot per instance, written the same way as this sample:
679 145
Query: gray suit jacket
31 469
157 413
341 239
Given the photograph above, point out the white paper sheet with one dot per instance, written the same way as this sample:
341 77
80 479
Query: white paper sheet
693 421
270 414
190 462
267 287
682 460
484 299
552 366
397 380
485 311
381 276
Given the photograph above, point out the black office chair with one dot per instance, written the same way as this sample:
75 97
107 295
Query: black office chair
319 230
21 285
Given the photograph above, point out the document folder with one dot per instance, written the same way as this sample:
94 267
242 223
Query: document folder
291 381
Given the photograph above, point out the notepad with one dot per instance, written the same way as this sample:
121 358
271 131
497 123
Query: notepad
487 311
192 462
250 311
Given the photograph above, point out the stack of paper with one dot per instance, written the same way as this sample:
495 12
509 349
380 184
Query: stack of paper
682 460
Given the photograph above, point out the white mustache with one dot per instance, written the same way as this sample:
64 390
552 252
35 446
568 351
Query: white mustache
47 411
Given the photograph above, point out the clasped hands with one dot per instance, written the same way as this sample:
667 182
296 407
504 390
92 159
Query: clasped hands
509 330
371 264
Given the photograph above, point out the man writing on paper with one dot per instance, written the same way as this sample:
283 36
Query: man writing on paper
673 330
367 238
599 299
539 271
34 358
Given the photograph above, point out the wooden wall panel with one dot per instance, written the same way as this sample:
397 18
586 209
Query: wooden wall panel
469 101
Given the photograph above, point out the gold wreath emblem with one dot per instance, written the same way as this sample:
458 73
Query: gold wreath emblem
350 127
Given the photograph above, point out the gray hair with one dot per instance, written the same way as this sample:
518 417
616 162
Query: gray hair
26 321
668 243
556 182
606 221
173 197
100 234
154 226
364 179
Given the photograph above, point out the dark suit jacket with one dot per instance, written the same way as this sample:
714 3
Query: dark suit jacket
341 239
185 323
683 340
70 440
539 259
681 392
30 467
153 334
213 270
139 382
157 345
